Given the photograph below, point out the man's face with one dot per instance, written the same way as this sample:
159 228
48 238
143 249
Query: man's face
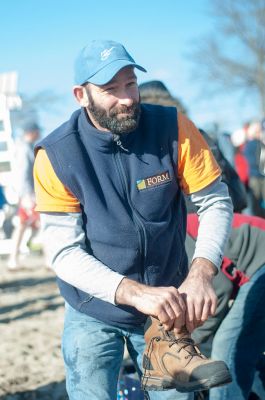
115 106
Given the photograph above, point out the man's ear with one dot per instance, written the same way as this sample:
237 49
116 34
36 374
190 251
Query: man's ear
81 95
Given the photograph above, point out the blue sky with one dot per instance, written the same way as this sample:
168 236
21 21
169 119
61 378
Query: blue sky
40 39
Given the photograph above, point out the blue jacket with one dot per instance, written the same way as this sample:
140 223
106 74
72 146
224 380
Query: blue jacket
252 152
133 209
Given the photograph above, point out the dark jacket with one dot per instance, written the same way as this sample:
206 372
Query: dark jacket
133 209
252 152
244 253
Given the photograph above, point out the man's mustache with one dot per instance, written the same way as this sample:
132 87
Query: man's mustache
124 109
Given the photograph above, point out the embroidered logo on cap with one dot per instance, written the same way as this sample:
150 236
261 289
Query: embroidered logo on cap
106 53
154 180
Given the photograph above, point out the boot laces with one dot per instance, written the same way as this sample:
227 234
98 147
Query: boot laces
149 351
183 344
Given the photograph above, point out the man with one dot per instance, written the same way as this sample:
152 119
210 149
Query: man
109 186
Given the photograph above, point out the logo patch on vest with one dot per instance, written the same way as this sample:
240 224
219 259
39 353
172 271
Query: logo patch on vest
155 180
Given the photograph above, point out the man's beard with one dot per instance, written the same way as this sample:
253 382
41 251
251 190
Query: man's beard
111 122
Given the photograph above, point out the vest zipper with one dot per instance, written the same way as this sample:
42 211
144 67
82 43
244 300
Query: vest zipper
136 218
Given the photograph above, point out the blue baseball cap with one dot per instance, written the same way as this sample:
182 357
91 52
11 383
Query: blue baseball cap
100 60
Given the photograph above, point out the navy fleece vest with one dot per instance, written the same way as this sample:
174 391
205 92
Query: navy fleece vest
133 209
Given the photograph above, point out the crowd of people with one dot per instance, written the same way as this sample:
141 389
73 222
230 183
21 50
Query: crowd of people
138 167
245 149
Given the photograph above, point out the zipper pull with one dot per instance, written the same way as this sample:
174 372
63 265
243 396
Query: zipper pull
118 142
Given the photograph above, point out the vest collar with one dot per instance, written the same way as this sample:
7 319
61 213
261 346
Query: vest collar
98 138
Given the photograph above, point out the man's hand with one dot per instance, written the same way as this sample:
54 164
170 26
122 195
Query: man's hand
198 292
164 303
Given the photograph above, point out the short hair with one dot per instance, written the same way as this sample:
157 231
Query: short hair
156 92
31 127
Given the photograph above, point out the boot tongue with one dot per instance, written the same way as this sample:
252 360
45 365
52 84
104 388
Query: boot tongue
172 335
179 335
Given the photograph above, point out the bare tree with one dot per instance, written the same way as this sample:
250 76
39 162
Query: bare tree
32 105
232 57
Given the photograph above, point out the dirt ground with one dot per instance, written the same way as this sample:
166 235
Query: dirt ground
31 321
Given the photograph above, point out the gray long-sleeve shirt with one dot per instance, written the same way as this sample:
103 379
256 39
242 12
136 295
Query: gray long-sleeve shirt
64 239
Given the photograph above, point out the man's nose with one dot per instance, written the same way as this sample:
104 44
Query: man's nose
126 101
126 97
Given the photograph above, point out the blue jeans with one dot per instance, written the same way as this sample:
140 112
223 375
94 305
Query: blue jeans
93 354
240 339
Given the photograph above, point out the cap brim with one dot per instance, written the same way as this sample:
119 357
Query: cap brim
109 71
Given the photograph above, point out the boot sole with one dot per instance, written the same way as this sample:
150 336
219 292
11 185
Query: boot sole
158 384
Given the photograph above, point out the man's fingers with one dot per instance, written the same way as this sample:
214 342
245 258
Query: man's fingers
198 307
169 325
190 315
165 314
179 308
206 311
170 312
181 303
172 309
213 305
178 324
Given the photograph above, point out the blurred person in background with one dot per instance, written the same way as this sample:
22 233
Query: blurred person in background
3 202
235 334
28 218
156 92
238 139
254 151
226 147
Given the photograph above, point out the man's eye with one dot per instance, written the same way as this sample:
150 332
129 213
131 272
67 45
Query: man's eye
110 89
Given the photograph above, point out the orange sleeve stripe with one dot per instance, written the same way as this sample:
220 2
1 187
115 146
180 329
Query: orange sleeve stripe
197 168
51 194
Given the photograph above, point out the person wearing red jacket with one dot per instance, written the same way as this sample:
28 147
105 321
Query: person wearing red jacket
238 330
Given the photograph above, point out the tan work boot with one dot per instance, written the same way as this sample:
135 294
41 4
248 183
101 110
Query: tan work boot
172 361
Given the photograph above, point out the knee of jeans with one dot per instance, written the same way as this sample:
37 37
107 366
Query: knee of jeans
73 345
90 343
219 347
